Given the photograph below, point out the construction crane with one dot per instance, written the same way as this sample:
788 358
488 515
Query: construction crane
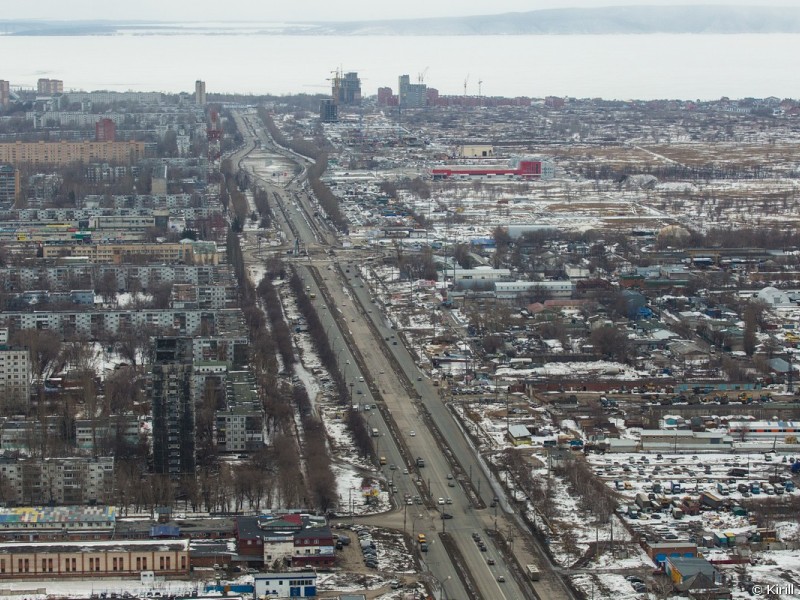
421 76
336 84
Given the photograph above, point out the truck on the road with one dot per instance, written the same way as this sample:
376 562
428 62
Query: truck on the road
420 462
533 572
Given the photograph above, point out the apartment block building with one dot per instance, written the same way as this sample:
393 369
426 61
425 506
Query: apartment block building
38 523
15 376
64 277
9 186
49 87
105 130
173 406
64 153
240 425
200 92
226 324
67 480
204 253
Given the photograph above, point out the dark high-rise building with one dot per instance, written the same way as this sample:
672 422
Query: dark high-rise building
9 185
174 452
105 130
328 111
200 92
5 93
349 89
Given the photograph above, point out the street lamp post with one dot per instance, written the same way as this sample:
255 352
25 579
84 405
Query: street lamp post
442 589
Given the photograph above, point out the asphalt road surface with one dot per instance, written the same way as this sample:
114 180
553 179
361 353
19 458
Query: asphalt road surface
351 318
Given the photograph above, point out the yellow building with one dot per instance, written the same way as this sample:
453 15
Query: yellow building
63 152
95 558
476 151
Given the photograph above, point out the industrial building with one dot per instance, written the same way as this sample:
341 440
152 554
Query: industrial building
93 558
516 168
551 289
479 277
764 430
286 585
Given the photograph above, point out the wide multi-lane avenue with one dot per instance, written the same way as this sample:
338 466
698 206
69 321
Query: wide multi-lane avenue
405 407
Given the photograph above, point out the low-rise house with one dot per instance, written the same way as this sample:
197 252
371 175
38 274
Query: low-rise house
519 435
286 585
683 569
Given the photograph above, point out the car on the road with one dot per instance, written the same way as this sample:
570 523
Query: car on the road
449 475
419 378
412 433
392 467
409 501
482 547
451 484
501 579
447 515
449 501
441 500
394 343
489 561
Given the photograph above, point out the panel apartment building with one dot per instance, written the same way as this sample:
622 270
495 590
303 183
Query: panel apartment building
64 153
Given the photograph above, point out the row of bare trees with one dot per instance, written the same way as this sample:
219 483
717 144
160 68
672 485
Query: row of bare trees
313 150
280 330
355 421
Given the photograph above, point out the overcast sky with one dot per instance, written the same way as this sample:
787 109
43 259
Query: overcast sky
306 10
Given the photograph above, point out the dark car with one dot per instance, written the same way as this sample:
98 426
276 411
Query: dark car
447 515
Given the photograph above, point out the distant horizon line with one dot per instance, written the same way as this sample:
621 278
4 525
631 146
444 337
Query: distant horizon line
244 20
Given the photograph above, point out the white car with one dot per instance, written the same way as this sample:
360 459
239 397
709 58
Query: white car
441 500
412 433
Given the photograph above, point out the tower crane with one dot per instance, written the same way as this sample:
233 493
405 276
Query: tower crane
421 76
